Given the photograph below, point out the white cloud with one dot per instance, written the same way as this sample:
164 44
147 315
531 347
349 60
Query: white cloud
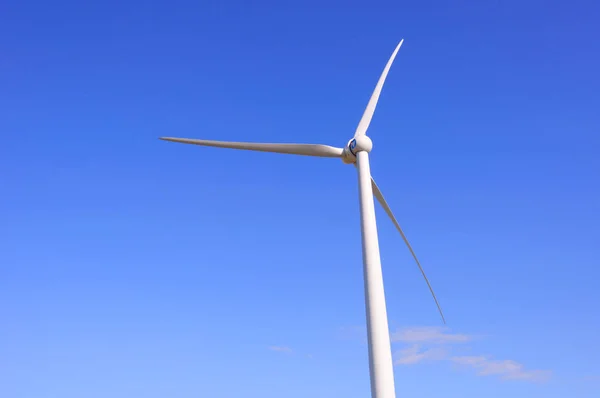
436 344
426 344
284 349
506 369
414 354
434 335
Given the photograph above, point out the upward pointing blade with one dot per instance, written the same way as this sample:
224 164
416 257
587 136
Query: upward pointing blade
387 209
294 149
363 125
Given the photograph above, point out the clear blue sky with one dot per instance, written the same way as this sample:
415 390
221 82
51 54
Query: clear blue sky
135 267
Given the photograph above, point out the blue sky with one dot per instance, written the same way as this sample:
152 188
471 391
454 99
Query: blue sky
136 267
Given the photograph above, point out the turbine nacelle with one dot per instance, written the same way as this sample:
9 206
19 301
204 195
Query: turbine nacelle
354 146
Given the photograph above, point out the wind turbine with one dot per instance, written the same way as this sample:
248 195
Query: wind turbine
355 152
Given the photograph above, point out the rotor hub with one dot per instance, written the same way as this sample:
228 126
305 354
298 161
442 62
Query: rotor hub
354 146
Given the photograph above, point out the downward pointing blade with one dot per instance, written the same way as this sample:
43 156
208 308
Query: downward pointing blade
363 125
387 209
294 149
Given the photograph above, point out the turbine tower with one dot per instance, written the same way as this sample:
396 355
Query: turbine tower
356 152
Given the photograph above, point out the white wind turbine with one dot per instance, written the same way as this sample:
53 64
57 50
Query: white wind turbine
355 152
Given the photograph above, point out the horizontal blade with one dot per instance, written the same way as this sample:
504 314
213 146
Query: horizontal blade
363 125
387 209
294 149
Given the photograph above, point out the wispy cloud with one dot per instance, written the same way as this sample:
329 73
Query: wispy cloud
506 369
426 344
279 348
414 354
433 335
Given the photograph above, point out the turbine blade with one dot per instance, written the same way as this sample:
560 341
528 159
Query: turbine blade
363 125
387 209
294 149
